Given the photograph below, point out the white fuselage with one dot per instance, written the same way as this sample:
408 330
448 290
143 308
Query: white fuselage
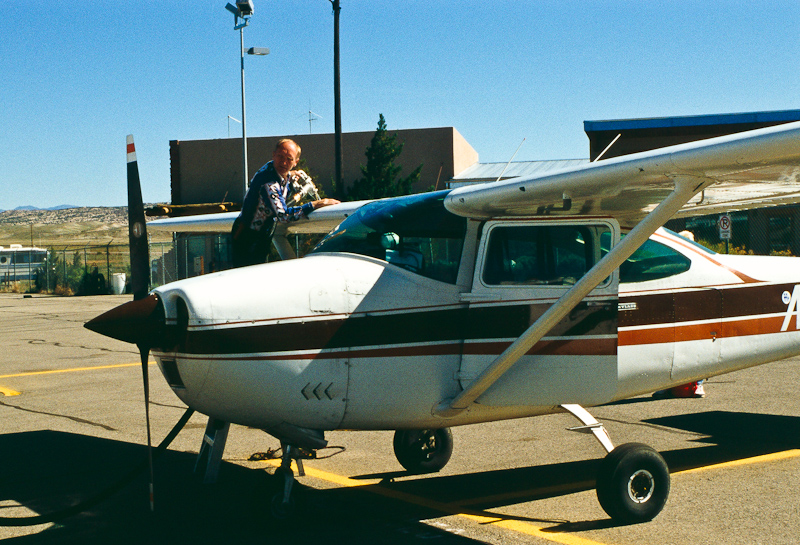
349 341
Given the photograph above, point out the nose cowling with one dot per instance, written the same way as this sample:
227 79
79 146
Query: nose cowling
140 322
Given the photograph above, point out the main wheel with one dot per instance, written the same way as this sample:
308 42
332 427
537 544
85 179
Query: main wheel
423 451
633 483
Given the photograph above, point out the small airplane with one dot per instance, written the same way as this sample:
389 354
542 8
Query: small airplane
494 301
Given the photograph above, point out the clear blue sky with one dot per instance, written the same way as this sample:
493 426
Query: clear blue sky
79 76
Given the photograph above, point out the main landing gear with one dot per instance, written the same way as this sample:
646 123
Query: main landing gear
423 451
633 481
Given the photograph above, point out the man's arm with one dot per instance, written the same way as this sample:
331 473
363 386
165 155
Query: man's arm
284 213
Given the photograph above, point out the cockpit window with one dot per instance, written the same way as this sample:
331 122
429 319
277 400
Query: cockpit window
416 233
652 261
557 255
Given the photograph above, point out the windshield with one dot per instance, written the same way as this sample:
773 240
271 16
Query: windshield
414 232
653 260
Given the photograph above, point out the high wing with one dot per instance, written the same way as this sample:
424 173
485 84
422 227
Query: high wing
320 221
642 191
734 172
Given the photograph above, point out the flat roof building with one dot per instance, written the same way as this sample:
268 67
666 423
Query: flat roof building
210 171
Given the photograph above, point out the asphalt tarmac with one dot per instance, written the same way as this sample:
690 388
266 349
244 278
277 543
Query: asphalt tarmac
72 426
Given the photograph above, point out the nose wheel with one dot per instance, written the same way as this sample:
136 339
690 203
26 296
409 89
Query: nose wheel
284 505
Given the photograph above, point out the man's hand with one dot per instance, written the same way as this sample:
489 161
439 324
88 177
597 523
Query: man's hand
324 202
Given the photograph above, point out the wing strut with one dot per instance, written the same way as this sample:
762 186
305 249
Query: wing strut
281 242
685 188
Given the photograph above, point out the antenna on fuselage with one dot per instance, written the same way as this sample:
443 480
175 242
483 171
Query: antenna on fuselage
509 161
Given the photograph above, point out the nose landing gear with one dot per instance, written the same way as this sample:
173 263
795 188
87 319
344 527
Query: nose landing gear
283 504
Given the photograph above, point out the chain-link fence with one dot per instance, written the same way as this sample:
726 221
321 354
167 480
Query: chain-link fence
96 269
91 270
764 231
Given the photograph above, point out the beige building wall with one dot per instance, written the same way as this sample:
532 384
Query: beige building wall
209 171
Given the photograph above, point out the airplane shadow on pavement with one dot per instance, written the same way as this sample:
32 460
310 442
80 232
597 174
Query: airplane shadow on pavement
48 471
731 436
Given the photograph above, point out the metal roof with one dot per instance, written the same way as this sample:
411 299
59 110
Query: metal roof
780 116
489 172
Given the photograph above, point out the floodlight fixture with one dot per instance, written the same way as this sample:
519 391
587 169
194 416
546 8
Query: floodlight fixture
258 51
233 9
245 7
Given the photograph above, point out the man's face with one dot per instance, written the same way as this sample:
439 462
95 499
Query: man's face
284 158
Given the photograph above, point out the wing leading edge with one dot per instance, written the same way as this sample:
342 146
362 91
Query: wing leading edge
319 221
737 171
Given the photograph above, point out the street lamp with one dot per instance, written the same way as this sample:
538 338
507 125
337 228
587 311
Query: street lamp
244 10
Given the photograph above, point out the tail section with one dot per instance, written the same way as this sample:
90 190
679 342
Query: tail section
137 230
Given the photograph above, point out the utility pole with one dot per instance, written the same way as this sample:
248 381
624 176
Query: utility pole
337 100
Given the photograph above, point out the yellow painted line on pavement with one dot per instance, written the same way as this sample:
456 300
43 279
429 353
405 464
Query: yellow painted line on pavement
73 370
764 458
8 392
499 520
761 459
481 517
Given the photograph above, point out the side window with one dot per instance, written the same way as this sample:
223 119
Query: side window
652 261
541 255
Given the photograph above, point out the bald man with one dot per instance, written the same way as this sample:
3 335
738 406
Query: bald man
265 205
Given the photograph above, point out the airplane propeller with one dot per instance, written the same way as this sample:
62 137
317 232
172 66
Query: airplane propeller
140 281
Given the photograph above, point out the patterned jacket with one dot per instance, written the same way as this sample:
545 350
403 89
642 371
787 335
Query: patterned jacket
265 202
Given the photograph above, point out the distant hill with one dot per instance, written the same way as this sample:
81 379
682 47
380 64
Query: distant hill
59 207
69 214
68 226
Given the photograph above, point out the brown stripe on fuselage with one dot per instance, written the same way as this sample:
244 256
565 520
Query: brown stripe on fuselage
696 332
558 347
703 304
367 332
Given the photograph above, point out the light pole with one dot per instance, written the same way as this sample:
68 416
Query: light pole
244 10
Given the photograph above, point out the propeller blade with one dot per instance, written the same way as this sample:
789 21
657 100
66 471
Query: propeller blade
137 230
140 282
144 352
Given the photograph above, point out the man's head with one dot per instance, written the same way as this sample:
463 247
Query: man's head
285 156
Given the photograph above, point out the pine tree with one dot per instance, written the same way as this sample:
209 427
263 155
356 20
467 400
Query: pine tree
380 176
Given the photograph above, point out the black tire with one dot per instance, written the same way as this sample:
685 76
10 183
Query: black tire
633 483
423 451
281 510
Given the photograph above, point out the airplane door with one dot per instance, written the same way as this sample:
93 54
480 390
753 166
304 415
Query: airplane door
522 268
697 328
